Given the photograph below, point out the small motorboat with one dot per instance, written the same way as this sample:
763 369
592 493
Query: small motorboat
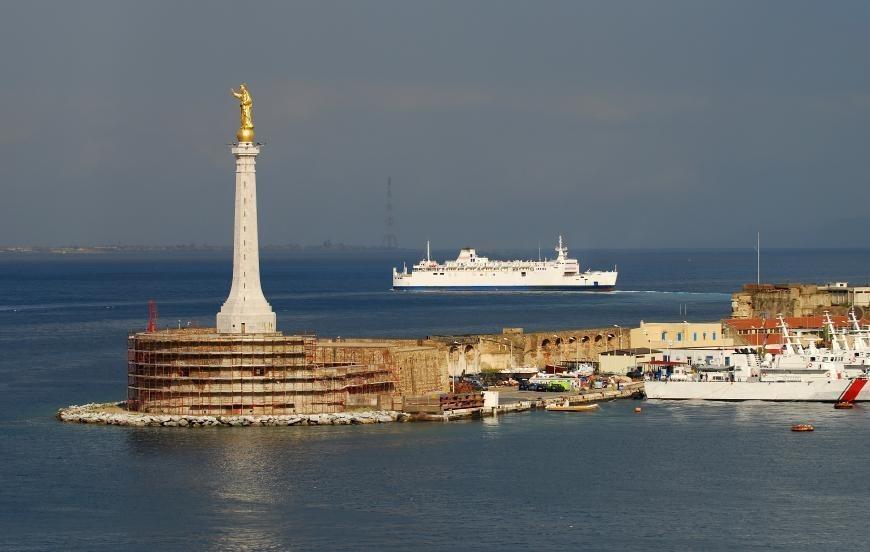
844 404
567 407
802 427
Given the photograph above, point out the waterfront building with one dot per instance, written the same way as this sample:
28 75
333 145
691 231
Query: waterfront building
679 335
768 331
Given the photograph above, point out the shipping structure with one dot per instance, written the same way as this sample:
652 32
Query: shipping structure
472 272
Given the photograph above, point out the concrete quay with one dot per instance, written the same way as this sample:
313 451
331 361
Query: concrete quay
115 414
522 401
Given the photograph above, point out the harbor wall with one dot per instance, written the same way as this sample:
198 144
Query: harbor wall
795 300
514 348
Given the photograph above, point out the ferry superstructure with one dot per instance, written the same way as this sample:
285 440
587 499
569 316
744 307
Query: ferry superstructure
471 271
798 374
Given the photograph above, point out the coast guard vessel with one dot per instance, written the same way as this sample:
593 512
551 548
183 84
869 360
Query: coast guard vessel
470 271
797 374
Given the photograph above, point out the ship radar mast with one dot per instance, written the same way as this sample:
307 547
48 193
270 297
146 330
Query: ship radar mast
560 250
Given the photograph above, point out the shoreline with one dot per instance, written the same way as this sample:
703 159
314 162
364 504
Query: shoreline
113 413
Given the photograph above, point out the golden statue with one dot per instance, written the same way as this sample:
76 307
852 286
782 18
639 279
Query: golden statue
246 103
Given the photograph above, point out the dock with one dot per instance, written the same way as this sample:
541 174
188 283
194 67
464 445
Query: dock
517 401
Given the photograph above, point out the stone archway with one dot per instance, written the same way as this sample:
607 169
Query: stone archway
454 361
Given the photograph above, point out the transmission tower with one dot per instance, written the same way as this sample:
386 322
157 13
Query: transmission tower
390 241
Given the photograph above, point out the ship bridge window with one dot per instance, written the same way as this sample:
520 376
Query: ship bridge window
523 273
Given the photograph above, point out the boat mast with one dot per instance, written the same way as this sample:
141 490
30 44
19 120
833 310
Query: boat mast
428 257
758 259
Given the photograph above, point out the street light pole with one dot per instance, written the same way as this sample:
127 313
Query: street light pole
511 357
453 374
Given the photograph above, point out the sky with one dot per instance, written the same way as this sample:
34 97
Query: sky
501 123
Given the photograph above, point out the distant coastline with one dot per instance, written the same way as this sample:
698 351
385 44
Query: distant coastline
104 249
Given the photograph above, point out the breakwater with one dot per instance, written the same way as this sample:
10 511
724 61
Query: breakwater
114 414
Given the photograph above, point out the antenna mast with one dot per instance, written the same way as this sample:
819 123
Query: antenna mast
390 241
758 259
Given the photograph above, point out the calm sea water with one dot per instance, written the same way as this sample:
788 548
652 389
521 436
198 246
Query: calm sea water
680 476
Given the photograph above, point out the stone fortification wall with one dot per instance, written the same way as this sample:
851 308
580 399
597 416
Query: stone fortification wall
790 300
513 348
417 366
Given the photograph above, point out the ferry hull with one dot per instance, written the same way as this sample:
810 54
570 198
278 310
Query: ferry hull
806 391
497 287
472 272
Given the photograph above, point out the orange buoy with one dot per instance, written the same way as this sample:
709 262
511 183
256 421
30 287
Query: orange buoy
802 427
637 410
843 404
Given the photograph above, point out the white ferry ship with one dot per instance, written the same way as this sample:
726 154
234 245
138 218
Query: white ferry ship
798 374
470 271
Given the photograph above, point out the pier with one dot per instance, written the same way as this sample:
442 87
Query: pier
510 400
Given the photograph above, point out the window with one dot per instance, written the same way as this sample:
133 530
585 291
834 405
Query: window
705 336
694 336
664 336
679 336
714 336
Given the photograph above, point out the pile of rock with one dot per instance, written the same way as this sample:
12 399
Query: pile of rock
110 414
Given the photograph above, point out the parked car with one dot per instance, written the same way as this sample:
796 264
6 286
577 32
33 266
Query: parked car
475 383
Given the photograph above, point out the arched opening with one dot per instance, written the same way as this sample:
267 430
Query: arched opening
584 339
572 339
455 361
545 344
598 338
558 342
610 337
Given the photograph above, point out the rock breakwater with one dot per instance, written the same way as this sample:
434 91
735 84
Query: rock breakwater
114 414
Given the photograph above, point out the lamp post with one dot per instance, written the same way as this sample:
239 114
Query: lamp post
559 347
511 357
453 372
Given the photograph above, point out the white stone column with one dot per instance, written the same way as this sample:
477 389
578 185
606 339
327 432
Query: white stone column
246 309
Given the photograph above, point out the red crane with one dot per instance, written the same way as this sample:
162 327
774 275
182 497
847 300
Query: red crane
152 316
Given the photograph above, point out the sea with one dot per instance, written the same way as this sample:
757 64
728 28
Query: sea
678 476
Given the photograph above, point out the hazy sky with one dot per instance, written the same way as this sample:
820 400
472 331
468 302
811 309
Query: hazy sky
619 124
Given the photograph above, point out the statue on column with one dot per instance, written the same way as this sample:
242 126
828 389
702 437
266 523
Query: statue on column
246 105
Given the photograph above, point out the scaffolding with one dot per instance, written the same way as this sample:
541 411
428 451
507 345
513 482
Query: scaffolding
372 374
196 371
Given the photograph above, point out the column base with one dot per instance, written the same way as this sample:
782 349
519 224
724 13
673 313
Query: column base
232 323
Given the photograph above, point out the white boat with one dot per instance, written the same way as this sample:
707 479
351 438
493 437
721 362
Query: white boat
853 344
470 271
798 374
521 371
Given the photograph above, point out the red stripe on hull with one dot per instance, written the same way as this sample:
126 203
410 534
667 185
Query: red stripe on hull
851 392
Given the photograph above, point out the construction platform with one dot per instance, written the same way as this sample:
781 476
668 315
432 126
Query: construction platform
197 371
